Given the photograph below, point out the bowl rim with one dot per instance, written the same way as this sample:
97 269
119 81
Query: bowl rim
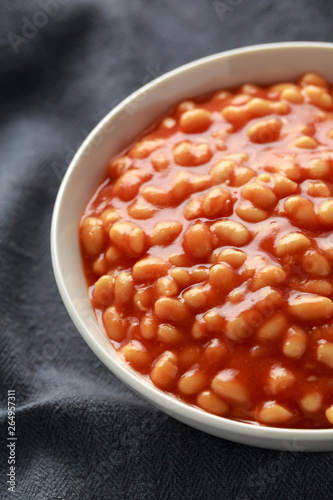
166 402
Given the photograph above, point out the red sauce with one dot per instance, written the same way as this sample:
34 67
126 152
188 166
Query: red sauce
233 309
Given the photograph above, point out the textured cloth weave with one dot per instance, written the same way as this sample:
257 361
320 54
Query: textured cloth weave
81 434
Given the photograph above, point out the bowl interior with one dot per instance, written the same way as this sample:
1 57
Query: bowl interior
264 64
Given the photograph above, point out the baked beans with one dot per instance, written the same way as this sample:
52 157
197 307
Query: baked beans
208 252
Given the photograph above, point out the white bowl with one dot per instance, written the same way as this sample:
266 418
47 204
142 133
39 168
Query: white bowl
261 64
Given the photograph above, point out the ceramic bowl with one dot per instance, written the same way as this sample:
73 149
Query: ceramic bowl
262 64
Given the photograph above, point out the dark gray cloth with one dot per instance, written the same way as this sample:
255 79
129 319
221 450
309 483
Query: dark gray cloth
81 434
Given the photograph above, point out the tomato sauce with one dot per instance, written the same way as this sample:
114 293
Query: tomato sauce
208 252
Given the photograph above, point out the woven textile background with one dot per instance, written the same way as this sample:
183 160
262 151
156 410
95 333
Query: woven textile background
81 434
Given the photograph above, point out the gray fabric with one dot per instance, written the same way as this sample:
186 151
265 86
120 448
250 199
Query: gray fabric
81 434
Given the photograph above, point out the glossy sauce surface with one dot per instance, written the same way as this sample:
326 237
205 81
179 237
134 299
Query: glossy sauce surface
208 254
